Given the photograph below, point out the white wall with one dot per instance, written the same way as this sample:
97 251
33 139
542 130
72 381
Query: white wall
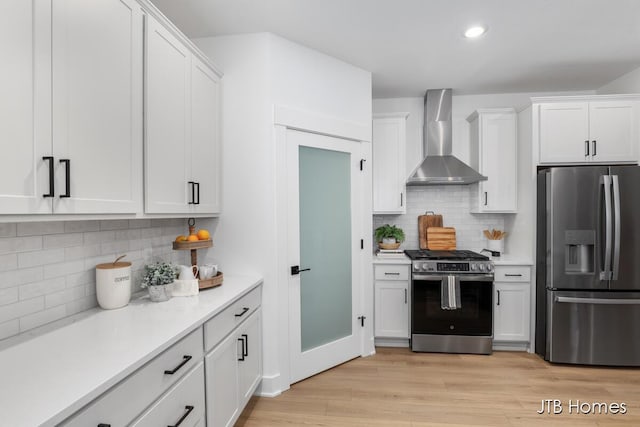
628 83
262 71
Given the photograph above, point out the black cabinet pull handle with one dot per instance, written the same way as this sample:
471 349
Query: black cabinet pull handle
188 408
242 353
405 296
586 148
51 177
197 185
193 193
401 199
244 310
486 198
513 275
593 143
104 425
498 296
67 174
185 359
246 344
391 274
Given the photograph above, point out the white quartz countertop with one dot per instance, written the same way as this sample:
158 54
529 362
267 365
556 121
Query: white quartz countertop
402 259
507 259
48 378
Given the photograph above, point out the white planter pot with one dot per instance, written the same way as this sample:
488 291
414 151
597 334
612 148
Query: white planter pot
160 293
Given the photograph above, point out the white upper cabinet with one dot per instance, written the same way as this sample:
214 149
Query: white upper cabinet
70 106
97 106
389 163
493 142
182 147
602 129
25 106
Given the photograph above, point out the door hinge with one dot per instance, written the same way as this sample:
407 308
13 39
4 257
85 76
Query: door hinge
361 243
361 318
362 163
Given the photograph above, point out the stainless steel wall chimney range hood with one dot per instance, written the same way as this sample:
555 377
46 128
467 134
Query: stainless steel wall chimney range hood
440 166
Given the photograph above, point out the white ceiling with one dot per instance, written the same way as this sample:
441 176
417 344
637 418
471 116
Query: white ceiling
412 45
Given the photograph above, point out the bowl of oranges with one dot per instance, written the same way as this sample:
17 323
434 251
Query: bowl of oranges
195 240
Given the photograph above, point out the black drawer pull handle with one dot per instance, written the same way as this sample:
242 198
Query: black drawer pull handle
244 310
67 174
242 353
513 275
104 425
188 408
391 274
51 177
185 359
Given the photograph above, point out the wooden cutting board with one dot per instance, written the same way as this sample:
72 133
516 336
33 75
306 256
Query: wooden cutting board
424 222
441 238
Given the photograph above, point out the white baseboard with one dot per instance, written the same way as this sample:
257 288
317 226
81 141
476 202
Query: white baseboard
511 346
392 342
270 386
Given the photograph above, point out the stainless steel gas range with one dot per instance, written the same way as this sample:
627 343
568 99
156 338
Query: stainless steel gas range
451 302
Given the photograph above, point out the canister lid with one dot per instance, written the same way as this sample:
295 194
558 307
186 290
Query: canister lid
111 265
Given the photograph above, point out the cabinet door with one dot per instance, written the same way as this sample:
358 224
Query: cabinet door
389 167
167 147
392 309
222 382
563 130
614 132
250 364
25 106
511 312
499 160
97 105
205 137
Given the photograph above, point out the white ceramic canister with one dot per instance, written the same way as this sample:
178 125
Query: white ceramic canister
113 284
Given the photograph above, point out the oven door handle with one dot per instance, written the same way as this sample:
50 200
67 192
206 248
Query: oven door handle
463 277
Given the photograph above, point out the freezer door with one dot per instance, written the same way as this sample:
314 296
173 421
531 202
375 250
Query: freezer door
576 252
626 242
593 328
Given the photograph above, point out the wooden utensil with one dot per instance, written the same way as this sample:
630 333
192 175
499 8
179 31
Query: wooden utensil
430 219
441 238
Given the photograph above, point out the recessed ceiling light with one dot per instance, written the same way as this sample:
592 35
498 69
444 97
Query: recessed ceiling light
474 32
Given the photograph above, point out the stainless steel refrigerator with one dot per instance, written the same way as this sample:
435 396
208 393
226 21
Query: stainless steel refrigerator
588 265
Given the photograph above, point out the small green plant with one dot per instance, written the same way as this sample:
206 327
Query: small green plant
390 232
160 273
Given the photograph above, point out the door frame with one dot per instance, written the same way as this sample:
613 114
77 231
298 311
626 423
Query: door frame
288 118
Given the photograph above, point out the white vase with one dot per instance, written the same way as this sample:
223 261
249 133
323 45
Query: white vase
159 293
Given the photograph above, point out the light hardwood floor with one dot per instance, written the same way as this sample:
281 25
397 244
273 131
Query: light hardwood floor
399 388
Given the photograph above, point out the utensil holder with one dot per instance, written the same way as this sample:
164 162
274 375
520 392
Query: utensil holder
496 245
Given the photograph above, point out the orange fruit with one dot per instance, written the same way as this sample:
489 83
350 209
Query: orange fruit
181 238
203 234
192 238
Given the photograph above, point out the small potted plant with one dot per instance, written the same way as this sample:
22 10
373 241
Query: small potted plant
157 279
389 236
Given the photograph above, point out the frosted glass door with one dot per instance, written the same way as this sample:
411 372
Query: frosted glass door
325 246
323 184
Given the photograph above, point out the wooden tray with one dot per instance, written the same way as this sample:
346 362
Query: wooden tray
441 238
212 282
424 222
200 244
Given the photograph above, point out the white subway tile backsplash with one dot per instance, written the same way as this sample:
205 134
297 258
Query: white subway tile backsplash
8 295
31 290
35 258
42 317
63 269
39 228
8 262
20 244
62 240
47 269
9 328
21 308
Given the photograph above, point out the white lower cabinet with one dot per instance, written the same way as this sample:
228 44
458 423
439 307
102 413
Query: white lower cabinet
392 300
512 304
234 370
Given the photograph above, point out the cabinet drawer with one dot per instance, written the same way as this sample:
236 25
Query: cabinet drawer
224 322
391 272
125 401
512 273
183 404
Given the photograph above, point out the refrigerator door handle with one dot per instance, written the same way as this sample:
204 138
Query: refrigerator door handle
616 227
605 301
605 274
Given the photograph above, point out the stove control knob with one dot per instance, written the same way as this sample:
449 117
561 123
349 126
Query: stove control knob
424 266
416 267
489 267
474 267
481 266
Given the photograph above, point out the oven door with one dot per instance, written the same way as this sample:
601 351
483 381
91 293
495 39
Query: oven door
473 318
